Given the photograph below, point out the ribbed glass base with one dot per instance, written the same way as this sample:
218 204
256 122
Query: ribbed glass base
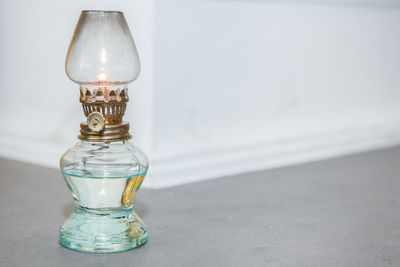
103 231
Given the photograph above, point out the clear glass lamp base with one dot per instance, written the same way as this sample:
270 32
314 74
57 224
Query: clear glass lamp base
103 179
103 232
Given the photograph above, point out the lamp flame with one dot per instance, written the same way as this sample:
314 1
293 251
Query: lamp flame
102 76
103 55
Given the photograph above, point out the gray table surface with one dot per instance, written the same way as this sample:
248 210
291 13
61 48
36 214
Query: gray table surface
338 212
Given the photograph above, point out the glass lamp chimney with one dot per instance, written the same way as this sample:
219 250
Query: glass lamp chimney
102 50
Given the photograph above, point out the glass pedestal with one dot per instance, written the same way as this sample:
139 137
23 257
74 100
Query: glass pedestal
103 179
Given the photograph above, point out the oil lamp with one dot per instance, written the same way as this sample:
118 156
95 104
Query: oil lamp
103 170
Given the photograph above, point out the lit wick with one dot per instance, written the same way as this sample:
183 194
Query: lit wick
102 77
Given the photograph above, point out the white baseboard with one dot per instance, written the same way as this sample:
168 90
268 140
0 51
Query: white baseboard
42 152
223 162
276 153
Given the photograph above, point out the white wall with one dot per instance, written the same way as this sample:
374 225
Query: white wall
246 85
226 86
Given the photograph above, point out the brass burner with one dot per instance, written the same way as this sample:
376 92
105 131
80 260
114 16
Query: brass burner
104 109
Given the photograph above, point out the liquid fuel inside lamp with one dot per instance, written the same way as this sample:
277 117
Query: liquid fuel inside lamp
104 170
